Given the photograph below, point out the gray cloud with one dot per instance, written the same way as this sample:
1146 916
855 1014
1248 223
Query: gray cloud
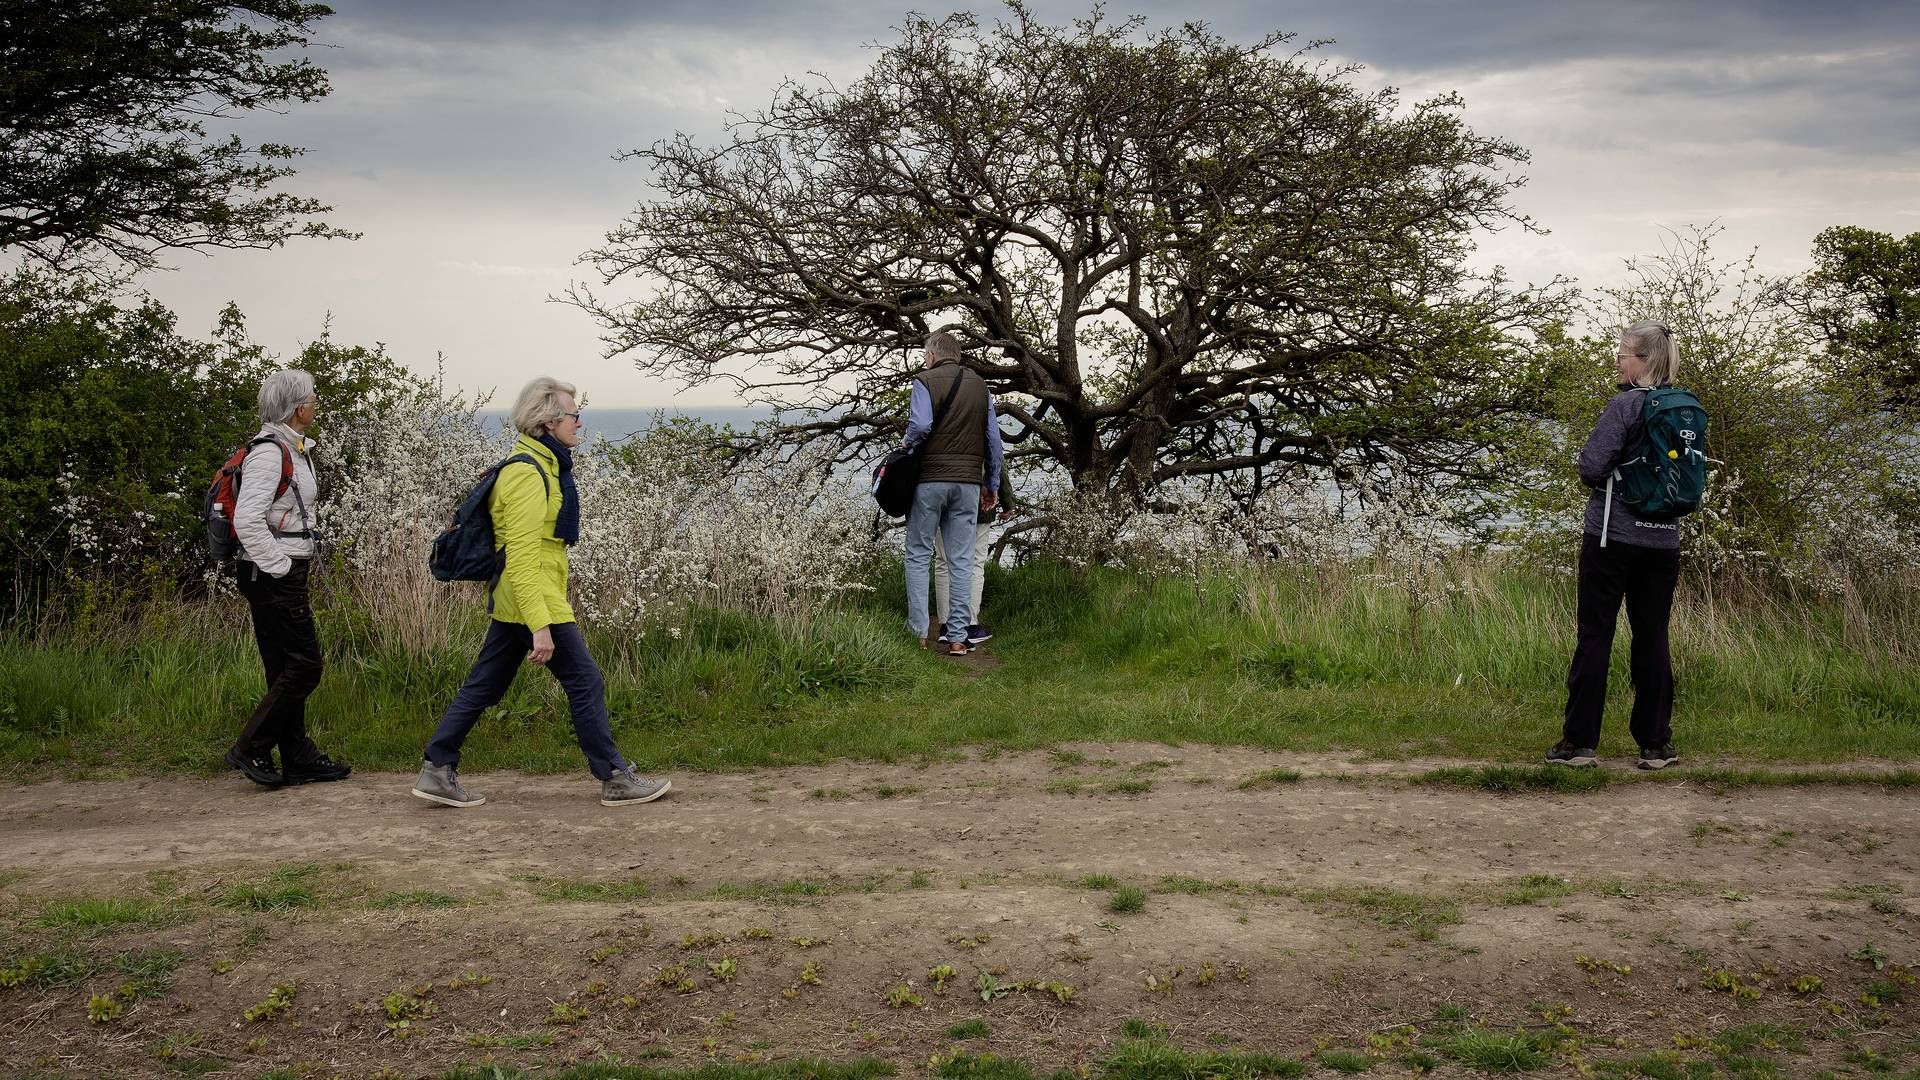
472 140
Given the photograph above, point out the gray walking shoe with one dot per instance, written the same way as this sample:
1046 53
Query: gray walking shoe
438 784
628 786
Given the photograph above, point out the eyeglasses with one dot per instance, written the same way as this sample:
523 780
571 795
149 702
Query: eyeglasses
573 416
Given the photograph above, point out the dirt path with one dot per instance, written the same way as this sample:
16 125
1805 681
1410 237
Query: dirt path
1283 918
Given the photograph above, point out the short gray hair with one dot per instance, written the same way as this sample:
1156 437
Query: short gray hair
282 392
1655 342
539 404
943 346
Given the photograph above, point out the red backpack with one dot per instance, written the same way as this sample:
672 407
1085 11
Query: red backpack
223 495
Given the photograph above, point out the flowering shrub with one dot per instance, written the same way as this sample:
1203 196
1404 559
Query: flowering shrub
664 528
665 525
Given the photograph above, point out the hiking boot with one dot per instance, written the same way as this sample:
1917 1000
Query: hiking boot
1657 757
977 634
628 786
257 768
314 768
438 784
1565 753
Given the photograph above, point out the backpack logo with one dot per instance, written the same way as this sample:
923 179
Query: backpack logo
1664 474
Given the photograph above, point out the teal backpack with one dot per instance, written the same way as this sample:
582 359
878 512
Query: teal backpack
1664 473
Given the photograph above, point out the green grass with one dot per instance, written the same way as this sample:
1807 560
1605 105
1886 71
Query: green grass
1495 1052
1536 887
799 1069
1657 1067
1315 660
144 973
1415 913
1127 900
604 892
1344 1061
102 913
983 1067
1268 779
1512 779
413 898
1155 1058
972 1028
279 893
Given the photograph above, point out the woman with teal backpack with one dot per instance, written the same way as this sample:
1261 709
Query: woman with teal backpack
1629 554
535 508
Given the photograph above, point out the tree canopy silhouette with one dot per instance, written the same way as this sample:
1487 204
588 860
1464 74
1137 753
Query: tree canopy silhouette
1172 257
104 152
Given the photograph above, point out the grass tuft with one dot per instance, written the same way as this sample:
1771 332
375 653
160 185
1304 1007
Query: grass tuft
102 914
1516 779
415 898
1494 1052
1416 913
1269 779
971 1028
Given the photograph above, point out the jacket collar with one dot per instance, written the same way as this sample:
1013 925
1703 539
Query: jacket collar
300 443
527 444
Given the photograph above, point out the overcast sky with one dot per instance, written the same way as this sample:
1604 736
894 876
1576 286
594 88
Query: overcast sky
472 143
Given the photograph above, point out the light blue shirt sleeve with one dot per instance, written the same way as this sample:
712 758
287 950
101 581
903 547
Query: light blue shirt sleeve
995 456
919 415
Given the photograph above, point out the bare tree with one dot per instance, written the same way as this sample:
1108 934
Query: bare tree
1173 257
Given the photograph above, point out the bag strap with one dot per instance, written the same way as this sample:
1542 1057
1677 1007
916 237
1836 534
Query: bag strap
547 493
952 392
545 487
286 482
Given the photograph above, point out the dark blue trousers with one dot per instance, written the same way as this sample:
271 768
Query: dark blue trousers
501 654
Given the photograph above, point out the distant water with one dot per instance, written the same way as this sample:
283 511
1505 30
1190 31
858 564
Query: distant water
619 425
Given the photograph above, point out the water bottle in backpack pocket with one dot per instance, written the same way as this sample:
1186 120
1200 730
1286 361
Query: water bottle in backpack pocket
223 497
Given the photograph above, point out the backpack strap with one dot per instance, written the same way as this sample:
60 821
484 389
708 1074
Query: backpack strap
546 488
946 400
286 482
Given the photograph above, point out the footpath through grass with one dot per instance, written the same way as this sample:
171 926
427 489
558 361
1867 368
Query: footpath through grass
1309 661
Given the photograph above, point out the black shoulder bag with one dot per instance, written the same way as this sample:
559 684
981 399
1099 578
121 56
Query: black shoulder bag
899 472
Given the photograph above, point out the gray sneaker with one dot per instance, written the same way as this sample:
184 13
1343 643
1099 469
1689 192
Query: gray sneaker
628 786
438 784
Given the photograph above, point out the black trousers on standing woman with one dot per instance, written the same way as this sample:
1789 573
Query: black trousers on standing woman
1645 578
290 651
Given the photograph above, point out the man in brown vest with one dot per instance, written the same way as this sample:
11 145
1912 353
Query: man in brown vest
962 450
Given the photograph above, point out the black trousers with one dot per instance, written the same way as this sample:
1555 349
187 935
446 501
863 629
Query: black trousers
1645 577
290 651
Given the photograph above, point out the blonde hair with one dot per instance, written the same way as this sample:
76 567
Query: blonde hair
943 346
539 404
1655 343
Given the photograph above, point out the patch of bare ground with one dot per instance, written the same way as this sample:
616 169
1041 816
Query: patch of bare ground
866 910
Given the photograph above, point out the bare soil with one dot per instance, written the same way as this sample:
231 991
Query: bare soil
1287 918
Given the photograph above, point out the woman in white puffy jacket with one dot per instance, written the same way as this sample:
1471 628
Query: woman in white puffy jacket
274 526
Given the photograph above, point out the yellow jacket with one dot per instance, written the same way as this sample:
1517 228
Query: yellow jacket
533 588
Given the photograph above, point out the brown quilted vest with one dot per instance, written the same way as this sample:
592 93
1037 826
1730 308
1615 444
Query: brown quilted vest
956 451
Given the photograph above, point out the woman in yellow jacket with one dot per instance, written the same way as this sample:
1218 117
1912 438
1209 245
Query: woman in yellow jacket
536 515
